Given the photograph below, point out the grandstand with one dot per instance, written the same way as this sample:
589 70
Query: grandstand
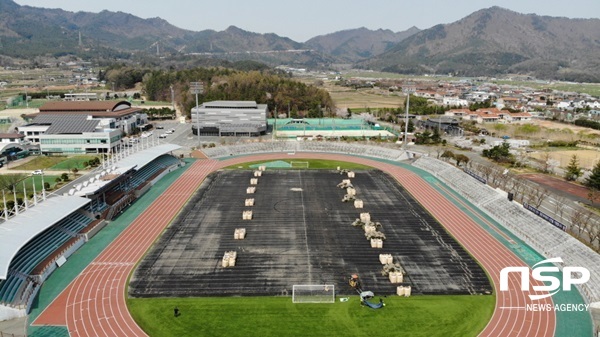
36 241
357 149
544 238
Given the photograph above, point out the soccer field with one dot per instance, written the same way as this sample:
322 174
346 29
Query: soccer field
277 316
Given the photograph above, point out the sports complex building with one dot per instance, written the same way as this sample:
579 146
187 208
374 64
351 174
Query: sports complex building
229 118
177 226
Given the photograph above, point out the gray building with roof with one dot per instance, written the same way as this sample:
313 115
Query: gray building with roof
72 134
230 118
78 134
82 127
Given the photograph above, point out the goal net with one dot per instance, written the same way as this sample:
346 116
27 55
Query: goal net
313 293
303 164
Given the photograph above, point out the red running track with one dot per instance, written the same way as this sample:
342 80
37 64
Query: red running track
94 303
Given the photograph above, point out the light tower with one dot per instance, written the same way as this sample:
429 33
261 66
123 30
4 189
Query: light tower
407 90
197 88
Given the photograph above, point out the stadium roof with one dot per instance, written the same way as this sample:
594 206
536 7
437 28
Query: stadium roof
16 232
134 161
143 157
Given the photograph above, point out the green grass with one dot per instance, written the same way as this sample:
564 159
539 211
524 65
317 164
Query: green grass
59 163
277 316
40 162
29 181
51 179
72 162
314 164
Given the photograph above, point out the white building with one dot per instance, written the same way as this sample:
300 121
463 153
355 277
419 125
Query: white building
82 127
455 101
230 118
85 96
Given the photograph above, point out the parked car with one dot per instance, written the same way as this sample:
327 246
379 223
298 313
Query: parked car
163 135
159 127
37 172
170 131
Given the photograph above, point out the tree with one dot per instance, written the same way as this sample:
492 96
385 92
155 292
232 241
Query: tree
593 181
537 196
448 155
461 158
517 188
499 153
486 171
9 181
559 206
573 171
593 194
411 126
546 162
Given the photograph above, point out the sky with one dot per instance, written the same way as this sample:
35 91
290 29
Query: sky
301 20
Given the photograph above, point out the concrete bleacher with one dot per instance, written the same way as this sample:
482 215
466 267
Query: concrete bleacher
536 232
357 149
142 175
35 251
59 230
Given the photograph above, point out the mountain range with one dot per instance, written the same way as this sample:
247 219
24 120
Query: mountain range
488 42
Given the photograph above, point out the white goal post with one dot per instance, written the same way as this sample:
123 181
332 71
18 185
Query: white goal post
313 293
303 164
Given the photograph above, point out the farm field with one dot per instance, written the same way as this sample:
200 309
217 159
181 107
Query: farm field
587 158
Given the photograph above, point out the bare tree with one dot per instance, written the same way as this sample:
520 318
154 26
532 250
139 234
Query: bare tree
515 185
587 225
576 222
496 177
593 195
546 162
541 194
559 206
594 234
485 171
536 196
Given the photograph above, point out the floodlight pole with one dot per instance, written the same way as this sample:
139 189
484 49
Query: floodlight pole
408 91
197 120
197 88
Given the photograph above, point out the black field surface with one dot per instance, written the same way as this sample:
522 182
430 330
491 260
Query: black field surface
301 233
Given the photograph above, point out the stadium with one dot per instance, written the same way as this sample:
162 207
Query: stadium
174 221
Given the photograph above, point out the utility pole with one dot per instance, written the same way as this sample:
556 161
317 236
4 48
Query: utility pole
197 88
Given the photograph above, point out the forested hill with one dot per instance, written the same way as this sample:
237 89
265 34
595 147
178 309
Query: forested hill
498 41
354 45
489 42
279 92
